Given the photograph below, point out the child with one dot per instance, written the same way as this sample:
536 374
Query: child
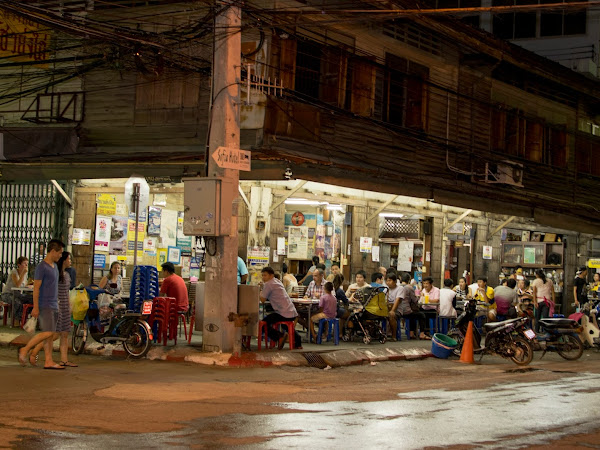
447 300
327 308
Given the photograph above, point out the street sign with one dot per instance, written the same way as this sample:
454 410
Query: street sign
232 158
593 263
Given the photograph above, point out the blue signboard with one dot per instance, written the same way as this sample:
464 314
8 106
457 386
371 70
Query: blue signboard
99 261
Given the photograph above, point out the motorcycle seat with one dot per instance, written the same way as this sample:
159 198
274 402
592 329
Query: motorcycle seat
558 323
494 325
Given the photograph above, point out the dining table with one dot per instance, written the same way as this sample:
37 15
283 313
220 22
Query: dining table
22 290
305 303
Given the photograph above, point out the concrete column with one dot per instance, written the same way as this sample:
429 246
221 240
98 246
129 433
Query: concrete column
221 268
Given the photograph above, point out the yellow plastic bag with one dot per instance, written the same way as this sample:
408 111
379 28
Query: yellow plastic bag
80 305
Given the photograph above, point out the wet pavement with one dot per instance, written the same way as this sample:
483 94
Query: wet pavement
507 415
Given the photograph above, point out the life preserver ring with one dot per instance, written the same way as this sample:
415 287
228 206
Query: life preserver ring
297 218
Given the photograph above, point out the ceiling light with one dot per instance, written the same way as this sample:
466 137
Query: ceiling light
335 207
384 214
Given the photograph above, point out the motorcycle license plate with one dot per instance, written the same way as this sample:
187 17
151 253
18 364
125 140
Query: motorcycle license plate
530 334
147 308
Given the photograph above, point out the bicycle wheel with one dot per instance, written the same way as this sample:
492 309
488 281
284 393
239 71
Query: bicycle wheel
569 347
138 342
522 351
79 337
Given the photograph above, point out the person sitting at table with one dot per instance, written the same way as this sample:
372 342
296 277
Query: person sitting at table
506 299
343 311
461 289
289 281
406 307
393 297
111 283
17 278
283 308
335 270
485 294
173 286
429 300
360 278
447 299
327 308
315 261
317 285
376 279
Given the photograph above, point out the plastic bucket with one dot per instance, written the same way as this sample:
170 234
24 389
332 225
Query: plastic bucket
442 346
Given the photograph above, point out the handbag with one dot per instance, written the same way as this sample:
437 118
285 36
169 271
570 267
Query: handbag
30 325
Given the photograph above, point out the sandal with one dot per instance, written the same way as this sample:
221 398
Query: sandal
33 359
68 364
54 367
22 359
425 338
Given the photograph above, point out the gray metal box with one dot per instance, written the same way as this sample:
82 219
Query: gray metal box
248 301
207 206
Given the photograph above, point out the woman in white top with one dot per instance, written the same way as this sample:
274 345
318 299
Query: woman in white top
543 297
289 281
17 278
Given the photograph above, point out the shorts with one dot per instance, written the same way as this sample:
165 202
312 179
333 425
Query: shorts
48 319
315 318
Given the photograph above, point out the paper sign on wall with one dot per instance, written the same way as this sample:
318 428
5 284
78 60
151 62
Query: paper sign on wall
281 245
487 252
366 244
82 236
106 204
102 240
375 253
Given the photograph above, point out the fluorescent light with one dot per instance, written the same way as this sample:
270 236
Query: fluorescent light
335 207
384 214
303 201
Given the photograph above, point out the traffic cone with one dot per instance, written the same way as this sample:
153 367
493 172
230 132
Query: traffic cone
466 354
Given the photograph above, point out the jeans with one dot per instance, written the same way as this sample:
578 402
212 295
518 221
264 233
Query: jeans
541 312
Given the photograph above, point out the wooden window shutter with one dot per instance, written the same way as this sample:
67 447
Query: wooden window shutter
557 147
595 159
287 62
582 155
363 83
534 139
415 96
333 76
514 134
498 130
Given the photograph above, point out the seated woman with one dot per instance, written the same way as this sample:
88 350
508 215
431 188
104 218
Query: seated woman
17 278
289 281
111 283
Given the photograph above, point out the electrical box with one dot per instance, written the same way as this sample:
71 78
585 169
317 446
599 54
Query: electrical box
208 206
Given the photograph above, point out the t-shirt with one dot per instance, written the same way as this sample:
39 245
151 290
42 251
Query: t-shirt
329 304
505 297
72 276
355 287
241 269
393 294
48 275
447 302
11 284
408 296
274 291
341 296
174 286
490 295
434 297
580 286
543 289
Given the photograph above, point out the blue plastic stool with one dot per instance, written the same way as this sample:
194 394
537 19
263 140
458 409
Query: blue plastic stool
479 321
331 323
406 328
558 316
432 326
445 323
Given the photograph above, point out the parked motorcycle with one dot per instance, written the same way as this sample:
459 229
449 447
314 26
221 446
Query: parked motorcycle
111 323
560 336
506 338
590 334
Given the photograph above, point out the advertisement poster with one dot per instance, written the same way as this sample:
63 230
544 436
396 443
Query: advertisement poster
487 252
103 227
366 244
183 242
185 267
174 255
528 255
131 234
297 242
375 253
106 205
82 236
281 245
258 256
405 256
154 221
118 235
168 228
99 261
150 246
161 257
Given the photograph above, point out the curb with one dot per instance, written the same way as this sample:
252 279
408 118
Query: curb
333 357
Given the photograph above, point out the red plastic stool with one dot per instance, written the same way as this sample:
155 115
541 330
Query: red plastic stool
6 307
182 319
262 328
291 326
26 308
192 320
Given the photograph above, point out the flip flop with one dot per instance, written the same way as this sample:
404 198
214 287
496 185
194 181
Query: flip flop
33 359
425 338
22 359
282 341
54 367
68 364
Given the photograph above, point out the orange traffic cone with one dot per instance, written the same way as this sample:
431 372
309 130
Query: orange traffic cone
466 355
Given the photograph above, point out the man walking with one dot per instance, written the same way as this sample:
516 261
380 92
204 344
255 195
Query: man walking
45 305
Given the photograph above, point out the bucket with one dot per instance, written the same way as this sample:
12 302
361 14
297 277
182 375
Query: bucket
442 346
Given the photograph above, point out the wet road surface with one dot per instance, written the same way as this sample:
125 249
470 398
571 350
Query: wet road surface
429 403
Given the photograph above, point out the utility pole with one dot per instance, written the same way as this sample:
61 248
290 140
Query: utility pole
220 297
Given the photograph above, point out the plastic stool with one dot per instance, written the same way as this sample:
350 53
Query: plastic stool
335 323
26 308
558 316
445 323
432 327
407 328
192 320
291 326
182 319
6 307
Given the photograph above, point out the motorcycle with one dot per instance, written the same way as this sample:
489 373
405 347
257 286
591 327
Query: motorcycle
590 335
506 338
108 322
560 336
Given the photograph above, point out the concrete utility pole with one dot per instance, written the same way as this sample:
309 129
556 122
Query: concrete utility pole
220 296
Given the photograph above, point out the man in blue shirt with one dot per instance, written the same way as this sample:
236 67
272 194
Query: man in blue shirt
377 279
45 306
242 271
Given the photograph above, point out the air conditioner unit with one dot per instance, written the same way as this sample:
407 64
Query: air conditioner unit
504 172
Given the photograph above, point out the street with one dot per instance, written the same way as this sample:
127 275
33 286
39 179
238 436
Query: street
115 403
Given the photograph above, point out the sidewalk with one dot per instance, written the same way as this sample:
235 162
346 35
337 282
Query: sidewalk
311 355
